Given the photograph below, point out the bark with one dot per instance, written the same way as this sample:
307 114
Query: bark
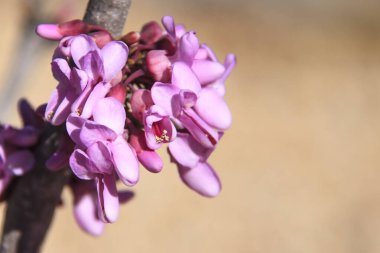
34 197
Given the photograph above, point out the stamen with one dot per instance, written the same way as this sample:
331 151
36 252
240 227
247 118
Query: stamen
161 136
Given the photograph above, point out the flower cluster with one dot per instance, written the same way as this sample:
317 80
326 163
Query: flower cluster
16 157
121 100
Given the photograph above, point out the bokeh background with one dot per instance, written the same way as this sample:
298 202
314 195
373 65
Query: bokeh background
300 165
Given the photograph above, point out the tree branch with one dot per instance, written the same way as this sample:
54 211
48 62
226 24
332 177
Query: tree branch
34 197
111 14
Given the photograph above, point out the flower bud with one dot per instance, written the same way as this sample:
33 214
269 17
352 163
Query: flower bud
151 32
158 65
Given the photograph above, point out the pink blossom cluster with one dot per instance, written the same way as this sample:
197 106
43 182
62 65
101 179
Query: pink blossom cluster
120 101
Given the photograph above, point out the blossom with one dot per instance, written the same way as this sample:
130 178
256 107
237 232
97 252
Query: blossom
86 209
16 158
85 74
177 99
101 151
194 170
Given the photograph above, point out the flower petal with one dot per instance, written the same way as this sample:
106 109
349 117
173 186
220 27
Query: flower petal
188 47
126 164
167 97
168 23
114 56
19 162
100 157
212 108
92 132
184 78
99 92
74 125
199 129
207 71
85 208
108 199
81 46
150 160
186 151
81 165
111 113
201 178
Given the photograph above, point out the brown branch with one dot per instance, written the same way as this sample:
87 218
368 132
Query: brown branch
111 14
34 197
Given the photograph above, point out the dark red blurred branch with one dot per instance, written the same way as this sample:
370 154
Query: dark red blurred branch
34 197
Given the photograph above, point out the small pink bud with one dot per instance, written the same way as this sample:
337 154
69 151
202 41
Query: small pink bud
131 38
49 31
119 92
73 27
151 32
158 65
147 157
141 100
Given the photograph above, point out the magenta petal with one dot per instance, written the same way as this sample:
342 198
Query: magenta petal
81 165
167 97
201 178
49 31
74 125
229 64
185 151
79 80
184 78
92 65
19 162
188 47
111 113
55 99
212 108
126 164
81 46
64 108
85 214
57 161
92 132
150 160
199 129
108 199
28 115
207 71
100 156
168 23
61 70
99 92
114 56
25 137
187 98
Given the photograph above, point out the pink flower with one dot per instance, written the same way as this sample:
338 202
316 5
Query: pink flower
101 151
86 210
177 99
191 159
15 157
88 78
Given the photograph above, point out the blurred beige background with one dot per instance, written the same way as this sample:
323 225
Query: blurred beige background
300 166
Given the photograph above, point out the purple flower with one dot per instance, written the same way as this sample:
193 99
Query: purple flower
101 151
191 159
86 209
177 99
15 158
85 74
158 127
